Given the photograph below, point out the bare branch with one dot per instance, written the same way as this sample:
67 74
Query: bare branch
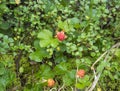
92 67
61 87
106 55
53 89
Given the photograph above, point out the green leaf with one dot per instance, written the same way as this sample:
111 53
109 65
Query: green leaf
3 81
21 69
1 35
2 71
64 2
54 43
69 78
102 65
75 22
12 1
45 72
61 24
36 44
45 43
64 25
45 34
83 82
45 38
61 68
49 5
117 53
38 55
60 58
3 8
5 26
80 86
96 1
93 54
2 88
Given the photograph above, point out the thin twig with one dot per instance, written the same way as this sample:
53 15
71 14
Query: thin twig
92 67
116 38
107 53
76 78
94 74
53 89
95 82
72 88
61 87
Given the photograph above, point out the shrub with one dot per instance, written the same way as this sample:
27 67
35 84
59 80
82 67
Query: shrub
27 35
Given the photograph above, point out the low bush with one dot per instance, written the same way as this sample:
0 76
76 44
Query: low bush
50 45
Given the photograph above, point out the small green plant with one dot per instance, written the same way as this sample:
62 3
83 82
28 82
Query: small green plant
58 44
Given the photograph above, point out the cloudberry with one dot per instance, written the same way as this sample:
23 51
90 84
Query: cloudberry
50 82
81 73
61 35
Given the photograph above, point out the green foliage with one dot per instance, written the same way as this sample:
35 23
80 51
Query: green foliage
5 44
46 39
83 82
27 36
7 74
38 55
69 78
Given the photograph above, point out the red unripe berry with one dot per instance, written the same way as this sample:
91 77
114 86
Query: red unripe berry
61 35
81 73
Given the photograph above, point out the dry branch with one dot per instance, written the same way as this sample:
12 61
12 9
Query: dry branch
106 55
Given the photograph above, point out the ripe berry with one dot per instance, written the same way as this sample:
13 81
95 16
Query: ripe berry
81 73
51 82
61 35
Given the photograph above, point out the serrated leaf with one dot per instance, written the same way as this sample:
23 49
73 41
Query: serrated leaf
69 78
46 72
82 83
60 58
46 39
38 55
63 25
45 34
84 80
61 68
